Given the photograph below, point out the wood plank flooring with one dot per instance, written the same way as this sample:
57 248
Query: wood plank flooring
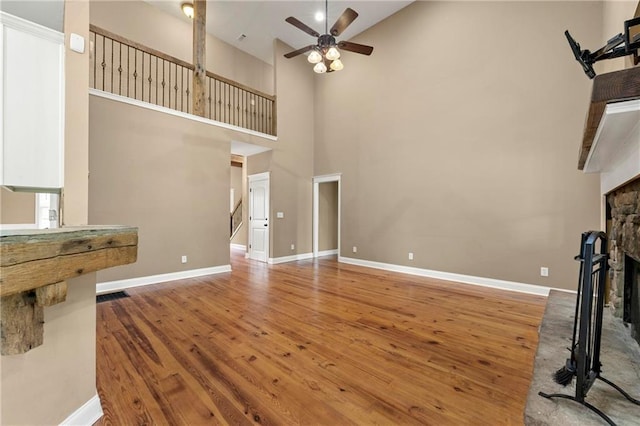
315 342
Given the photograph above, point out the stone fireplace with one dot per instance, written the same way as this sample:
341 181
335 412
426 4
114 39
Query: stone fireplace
611 147
623 217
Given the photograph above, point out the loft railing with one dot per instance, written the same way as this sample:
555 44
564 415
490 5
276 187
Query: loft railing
236 218
124 67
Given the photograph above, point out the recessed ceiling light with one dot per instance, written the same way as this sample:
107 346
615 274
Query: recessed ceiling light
319 16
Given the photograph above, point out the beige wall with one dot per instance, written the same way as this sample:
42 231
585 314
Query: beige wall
167 175
292 157
17 207
48 383
75 196
328 216
464 155
151 26
614 13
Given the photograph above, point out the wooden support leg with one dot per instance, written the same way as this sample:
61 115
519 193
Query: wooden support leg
22 317
22 326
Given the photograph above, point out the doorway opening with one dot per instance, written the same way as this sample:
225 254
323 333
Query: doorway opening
326 215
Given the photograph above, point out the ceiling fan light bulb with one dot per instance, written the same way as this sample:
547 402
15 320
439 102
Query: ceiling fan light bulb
187 9
320 68
337 65
314 57
333 53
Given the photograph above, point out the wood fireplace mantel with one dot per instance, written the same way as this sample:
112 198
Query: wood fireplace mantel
608 88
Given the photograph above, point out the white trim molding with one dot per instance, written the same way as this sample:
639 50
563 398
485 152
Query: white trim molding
327 253
449 276
88 414
158 108
238 246
113 286
292 258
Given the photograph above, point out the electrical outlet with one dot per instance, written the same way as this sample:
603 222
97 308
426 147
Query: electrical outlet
544 271
410 256
184 259
293 246
355 249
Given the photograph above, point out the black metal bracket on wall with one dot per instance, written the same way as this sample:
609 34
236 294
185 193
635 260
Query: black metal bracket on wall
618 46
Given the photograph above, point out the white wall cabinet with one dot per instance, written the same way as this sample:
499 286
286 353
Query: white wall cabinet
32 110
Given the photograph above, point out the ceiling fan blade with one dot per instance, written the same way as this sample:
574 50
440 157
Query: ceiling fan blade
299 51
300 25
355 47
347 17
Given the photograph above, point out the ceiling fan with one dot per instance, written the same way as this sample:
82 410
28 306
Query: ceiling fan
325 54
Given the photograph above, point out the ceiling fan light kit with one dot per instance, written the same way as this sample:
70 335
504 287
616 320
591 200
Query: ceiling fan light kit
325 52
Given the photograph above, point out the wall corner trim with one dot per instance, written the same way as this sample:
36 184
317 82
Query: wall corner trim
293 258
112 286
448 276
89 413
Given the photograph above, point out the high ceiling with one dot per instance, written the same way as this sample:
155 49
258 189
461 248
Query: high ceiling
262 21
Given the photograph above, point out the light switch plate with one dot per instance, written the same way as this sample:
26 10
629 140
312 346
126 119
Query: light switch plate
76 43
279 215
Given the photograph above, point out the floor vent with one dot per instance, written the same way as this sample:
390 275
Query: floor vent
111 296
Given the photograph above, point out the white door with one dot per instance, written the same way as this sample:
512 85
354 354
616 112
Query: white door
259 217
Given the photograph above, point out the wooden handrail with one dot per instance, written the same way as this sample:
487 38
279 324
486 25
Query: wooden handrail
139 46
240 86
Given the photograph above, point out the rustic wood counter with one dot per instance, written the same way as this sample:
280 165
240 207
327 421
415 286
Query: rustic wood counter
34 264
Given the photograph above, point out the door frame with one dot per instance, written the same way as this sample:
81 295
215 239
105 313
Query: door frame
250 179
317 180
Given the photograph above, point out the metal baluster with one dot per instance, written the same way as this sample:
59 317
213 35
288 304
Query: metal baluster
209 99
150 79
157 80
175 88
135 73
128 68
112 91
103 64
188 92
163 82
119 68
95 57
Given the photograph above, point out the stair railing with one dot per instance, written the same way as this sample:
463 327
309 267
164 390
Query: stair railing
127 68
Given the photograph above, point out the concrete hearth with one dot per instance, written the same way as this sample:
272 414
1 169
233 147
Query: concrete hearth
620 357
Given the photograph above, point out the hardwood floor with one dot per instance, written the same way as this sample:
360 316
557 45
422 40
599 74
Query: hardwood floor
315 342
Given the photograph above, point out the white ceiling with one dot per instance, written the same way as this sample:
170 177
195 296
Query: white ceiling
263 21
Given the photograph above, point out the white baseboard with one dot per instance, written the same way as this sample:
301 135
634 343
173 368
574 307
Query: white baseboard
448 276
293 258
238 246
88 414
112 286
327 253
